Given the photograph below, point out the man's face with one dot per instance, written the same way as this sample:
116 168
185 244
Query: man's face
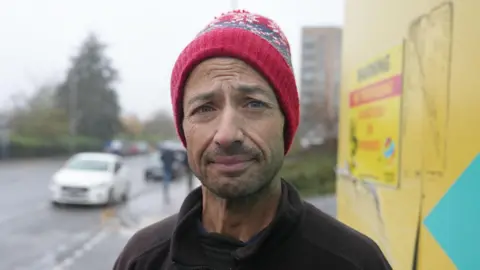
233 127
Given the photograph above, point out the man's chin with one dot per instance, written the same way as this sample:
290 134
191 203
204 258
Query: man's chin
232 188
232 195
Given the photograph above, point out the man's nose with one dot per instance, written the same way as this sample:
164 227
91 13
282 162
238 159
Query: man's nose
229 129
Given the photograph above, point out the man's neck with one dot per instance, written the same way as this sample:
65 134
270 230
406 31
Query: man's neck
241 219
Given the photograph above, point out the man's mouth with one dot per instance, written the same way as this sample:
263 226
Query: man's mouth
231 164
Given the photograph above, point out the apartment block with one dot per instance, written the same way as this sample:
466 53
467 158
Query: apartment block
320 73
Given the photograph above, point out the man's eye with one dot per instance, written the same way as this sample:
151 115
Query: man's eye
256 104
203 109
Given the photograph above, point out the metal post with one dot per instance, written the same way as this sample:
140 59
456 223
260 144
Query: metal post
4 137
3 148
72 95
5 142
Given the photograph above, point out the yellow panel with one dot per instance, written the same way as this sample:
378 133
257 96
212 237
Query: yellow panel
440 126
431 39
462 129
412 125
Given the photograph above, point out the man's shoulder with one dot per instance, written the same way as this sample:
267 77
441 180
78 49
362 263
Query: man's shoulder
342 241
154 234
154 237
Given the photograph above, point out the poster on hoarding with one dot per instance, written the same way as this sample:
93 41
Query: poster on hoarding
375 119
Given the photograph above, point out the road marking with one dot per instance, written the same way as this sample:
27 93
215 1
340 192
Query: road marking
81 251
107 215
47 261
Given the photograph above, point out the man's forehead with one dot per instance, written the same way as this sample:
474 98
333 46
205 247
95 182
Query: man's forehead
227 89
225 69
213 64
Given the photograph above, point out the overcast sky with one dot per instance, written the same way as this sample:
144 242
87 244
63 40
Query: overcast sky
38 37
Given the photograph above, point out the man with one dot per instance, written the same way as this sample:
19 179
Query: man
236 108
167 158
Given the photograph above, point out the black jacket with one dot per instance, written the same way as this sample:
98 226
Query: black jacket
301 237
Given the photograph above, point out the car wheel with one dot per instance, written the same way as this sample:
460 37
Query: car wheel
126 193
111 198
56 204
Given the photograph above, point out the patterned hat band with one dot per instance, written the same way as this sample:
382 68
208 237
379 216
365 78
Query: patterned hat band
261 26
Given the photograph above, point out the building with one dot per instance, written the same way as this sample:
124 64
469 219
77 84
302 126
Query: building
320 77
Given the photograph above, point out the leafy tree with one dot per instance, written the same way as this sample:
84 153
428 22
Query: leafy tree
160 126
132 126
88 92
37 116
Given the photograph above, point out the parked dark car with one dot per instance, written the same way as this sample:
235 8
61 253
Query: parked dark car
154 168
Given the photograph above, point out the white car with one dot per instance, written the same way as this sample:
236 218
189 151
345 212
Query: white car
91 178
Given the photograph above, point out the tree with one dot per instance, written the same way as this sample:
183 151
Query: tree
37 116
88 93
132 126
160 126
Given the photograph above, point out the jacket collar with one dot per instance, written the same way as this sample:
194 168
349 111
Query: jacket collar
186 249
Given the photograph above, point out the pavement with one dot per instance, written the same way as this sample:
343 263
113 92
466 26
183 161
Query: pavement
37 236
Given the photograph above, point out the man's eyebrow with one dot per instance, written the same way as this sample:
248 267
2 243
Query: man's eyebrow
244 89
201 97
254 89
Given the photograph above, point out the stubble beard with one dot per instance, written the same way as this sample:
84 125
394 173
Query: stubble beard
247 187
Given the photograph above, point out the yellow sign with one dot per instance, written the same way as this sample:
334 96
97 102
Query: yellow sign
375 117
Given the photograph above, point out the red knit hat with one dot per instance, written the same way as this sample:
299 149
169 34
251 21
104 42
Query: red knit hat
256 40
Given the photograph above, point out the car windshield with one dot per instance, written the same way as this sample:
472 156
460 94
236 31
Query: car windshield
88 165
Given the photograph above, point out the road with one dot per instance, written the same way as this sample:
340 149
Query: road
139 212
37 236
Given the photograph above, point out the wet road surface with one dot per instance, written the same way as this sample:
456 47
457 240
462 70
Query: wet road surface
34 233
139 212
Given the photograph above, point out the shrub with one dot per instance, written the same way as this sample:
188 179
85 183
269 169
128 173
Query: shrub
27 147
312 171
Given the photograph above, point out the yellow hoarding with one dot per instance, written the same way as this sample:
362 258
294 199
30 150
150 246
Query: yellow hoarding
375 117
